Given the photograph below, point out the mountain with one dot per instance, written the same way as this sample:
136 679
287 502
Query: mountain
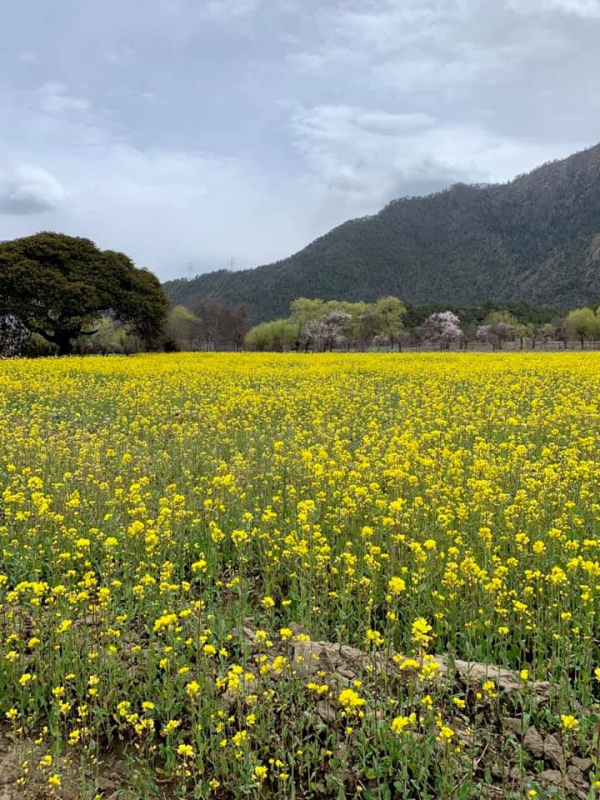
535 239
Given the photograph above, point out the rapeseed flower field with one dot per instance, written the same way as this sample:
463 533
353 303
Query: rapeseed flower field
178 532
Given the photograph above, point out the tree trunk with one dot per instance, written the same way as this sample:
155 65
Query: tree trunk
63 341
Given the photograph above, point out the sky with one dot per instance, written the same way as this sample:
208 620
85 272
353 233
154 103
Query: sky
198 134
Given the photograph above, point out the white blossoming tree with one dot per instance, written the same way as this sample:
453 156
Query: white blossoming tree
442 328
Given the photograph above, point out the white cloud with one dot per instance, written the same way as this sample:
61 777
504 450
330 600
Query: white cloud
29 189
378 155
330 108
120 57
166 208
586 9
343 121
54 99
309 63
418 45
224 10
163 206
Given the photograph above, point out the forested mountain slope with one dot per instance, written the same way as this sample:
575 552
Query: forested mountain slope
535 239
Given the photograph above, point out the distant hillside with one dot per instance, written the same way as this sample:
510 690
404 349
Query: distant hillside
535 239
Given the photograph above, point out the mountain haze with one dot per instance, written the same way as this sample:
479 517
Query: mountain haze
535 239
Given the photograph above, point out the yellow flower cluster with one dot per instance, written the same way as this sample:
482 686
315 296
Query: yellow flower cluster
174 529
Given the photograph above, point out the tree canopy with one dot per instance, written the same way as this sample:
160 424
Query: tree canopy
583 324
319 325
58 286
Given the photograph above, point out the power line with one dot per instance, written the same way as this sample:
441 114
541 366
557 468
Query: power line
181 285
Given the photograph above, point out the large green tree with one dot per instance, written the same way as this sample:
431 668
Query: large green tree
58 286
389 311
582 324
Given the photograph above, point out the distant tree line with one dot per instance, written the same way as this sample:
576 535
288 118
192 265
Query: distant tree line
61 294
318 326
315 325
207 325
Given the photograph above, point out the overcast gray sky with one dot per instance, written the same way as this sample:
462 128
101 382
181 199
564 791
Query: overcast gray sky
195 131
